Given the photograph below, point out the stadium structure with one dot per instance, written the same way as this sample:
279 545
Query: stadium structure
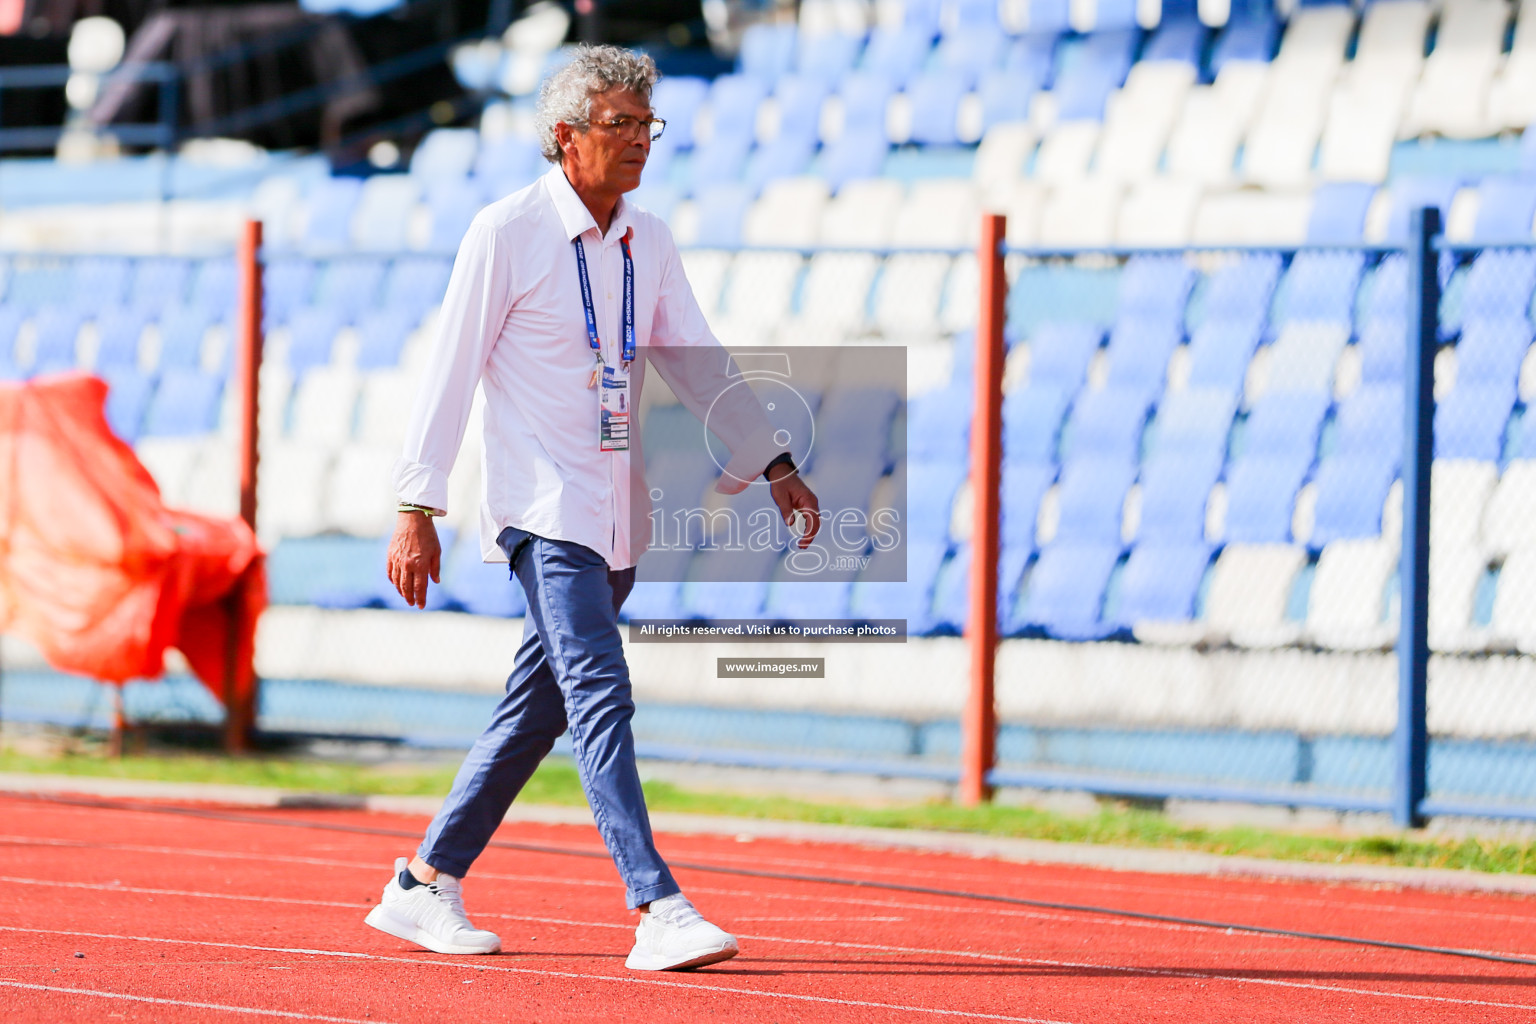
1216 271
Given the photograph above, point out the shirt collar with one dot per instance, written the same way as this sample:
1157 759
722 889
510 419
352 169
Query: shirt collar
575 218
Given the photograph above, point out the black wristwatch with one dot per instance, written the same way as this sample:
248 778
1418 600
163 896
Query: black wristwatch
782 459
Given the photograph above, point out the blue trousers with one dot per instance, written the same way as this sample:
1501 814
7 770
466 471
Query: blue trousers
570 671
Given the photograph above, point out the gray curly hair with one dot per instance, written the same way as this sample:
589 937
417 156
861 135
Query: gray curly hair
567 94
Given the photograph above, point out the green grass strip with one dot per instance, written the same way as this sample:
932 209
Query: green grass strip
556 783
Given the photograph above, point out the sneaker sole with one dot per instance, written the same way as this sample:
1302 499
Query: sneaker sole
380 917
713 956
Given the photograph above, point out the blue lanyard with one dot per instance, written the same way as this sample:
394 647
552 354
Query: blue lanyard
629 300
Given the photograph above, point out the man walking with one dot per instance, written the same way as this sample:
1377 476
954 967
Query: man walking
554 289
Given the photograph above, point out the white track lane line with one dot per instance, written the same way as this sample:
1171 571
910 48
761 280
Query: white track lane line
873 947
182 1002
883 904
1140 890
476 965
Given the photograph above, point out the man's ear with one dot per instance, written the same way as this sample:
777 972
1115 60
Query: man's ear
563 135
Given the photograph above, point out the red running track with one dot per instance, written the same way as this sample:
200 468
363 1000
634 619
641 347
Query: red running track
191 919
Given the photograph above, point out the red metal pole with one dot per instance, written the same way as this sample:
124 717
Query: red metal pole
979 727
240 683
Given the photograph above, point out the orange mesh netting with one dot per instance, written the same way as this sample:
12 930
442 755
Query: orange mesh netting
94 570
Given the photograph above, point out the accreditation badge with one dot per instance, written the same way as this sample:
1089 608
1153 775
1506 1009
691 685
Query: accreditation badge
613 409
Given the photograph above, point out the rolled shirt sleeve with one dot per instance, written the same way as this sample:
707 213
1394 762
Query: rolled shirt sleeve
474 309
698 380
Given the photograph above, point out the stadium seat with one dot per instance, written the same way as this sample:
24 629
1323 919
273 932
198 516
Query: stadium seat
101 281
934 98
1409 194
937 214
325 405
1370 424
482 588
1107 424
381 338
359 497
897 53
1459 498
1507 525
331 203
128 395
1303 356
761 290
1044 294
1470 421
55 332
720 161
1032 419
860 419
836 292
1204 140
158 281
1249 36
311 334
827 56
1250 591
1139 351
1161 582
733 584
1065 153
1092 498
1491 351
1065 592
792 600
1261 496
767 51
183 331
416 283
445 154
1194 421
186 404
1383 349
1338 213
1024 486
912 600
938 424
1082 215
1175 489
930 487
1041 18
788 213
658 586
1004 97
290 488
1514 606
450 210
796 107
1499 287
118 332
350 287
381 220
970 52
287 284
1351 493
1347 606
857 154
1083 85
679 99
1319 287
1506 209
1059 354
1158 213
309 570
908 293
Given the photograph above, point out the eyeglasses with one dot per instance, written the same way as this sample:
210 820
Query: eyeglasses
628 128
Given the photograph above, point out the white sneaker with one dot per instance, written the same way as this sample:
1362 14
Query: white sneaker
430 915
674 936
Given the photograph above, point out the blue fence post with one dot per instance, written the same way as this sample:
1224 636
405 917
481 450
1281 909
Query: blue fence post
1411 741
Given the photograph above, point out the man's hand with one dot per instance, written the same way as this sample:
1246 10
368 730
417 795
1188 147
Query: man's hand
414 555
793 497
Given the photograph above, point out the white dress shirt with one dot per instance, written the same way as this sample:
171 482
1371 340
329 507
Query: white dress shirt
513 323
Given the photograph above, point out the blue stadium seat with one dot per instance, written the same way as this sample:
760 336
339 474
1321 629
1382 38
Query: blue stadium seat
1491 350
1284 425
1506 209
510 162
1032 58
1032 419
1261 495
1048 16
128 394
735 584
1043 294
658 589
1383 351
1369 424
158 281
1319 287
722 209
1351 490
1180 39
312 332
1023 487
855 155
46 283
1092 498
935 97
101 281
117 337
793 600
733 102
677 100
799 99
1005 97
1107 424
931 488
912 600
182 329
858 418
1059 354
1338 213
350 286
1528 153
1156 288
970 52
939 424
1384 290
215 286
1470 421
301 570
1085 79
1161 582
720 161
416 283
1114 14
1252 36
444 154
864 97
897 54
287 284
1065 595
964 14
952 596
331 202
659 197
1139 351
11 318
785 157
1195 421
1220 350
450 211
1499 286
381 338
185 404
57 328
1175 487
767 51
1410 193
1240 290
827 56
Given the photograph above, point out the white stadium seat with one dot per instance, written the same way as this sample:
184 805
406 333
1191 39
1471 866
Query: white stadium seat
1453 94
1347 607
384 406
1203 144
1363 118
1081 215
324 405
290 483
787 213
1159 212
706 270
1303 357
957 312
938 214
1459 493
172 461
1066 152
1508 524
381 221
1514 605
758 297
908 293
1250 590
836 293
215 485
1022 205
360 499
1454 574
1252 217
1002 155
1279 147
862 213
1512 98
